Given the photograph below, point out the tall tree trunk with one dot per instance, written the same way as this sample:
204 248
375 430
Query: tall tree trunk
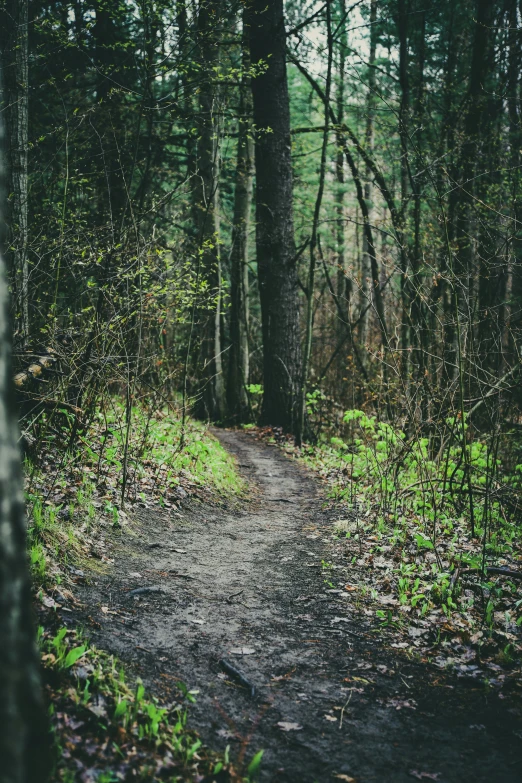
344 284
315 237
14 53
239 350
513 314
366 266
112 191
276 256
404 111
206 209
418 335
463 268
24 735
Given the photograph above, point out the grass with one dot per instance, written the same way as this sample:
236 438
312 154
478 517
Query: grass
122 728
73 496
405 537
106 727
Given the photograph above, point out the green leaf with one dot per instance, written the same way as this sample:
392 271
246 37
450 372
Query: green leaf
74 655
121 708
255 763
423 542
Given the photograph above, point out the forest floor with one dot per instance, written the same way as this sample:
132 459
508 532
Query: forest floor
243 587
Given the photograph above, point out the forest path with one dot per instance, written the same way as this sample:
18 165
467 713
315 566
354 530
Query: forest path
250 581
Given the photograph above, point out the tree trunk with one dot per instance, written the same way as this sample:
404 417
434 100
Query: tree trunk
24 735
109 77
276 256
206 210
404 111
14 54
344 284
239 350
366 270
513 314
314 239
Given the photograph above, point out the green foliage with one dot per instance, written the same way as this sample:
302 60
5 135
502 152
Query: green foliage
253 767
129 708
168 461
158 437
414 492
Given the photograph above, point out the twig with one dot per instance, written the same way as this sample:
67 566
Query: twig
343 709
229 599
237 675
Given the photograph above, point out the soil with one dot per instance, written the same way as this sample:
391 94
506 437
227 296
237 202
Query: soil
333 701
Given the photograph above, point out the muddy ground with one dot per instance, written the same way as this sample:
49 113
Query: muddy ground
332 701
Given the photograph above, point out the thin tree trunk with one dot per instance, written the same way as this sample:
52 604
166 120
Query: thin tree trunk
24 735
239 350
514 283
206 211
403 11
366 270
359 191
14 22
276 256
344 284
112 195
314 239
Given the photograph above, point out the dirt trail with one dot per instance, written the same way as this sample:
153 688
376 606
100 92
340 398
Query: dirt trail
251 580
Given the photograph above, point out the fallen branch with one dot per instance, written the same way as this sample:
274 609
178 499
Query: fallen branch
237 675
496 571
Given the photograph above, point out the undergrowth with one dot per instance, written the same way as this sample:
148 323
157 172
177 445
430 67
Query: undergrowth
73 494
81 499
107 730
426 534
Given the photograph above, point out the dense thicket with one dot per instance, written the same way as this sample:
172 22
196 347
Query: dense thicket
386 271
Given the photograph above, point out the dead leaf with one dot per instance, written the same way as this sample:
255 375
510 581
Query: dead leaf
346 778
225 733
49 602
285 725
424 775
330 717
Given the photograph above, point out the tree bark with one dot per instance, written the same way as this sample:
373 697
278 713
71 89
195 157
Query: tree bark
366 270
404 111
14 54
344 284
206 210
112 194
239 350
276 256
24 735
513 313
314 240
